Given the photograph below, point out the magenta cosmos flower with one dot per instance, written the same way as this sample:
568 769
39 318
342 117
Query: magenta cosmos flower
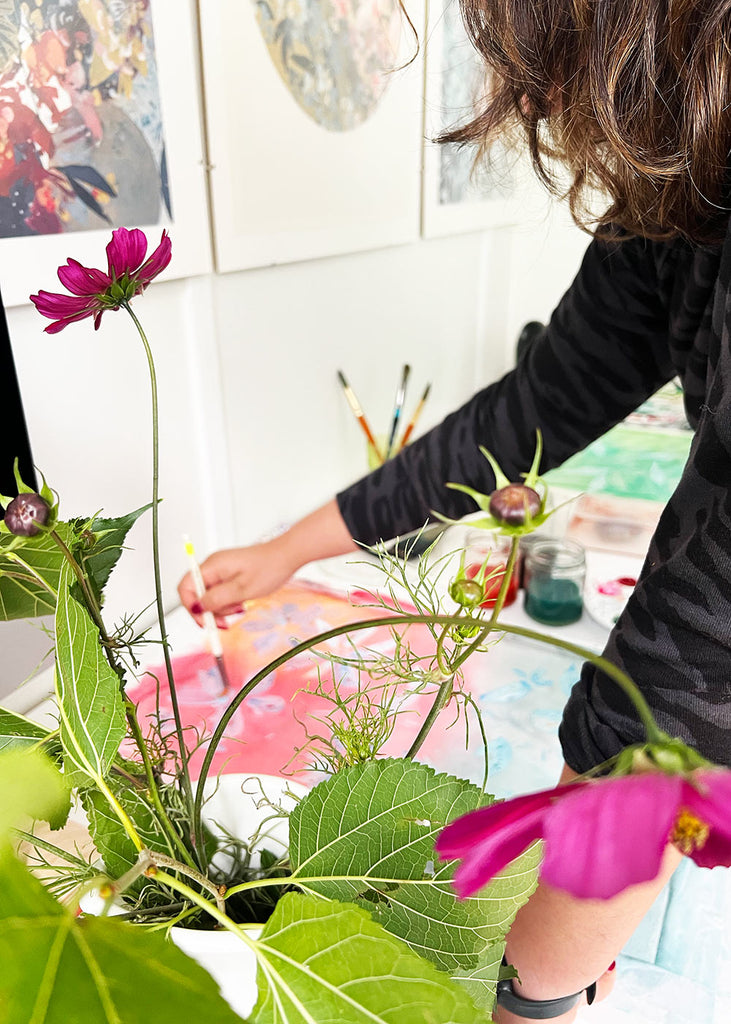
601 836
94 291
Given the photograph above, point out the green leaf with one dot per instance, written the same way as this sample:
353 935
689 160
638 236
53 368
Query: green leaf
90 704
500 479
481 500
481 981
109 537
22 595
374 826
59 969
110 839
18 731
322 963
31 786
23 559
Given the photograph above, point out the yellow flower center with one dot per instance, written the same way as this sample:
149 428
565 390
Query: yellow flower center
690 833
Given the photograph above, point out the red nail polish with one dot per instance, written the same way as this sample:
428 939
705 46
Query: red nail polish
197 608
612 966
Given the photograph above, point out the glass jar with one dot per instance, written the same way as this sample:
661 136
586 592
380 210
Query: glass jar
554 582
486 558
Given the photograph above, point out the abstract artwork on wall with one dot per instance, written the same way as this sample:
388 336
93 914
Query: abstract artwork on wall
81 124
91 131
314 118
460 193
331 56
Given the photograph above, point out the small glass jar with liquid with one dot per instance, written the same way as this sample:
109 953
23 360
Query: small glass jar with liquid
555 571
486 558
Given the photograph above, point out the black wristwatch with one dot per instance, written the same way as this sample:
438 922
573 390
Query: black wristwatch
539 1009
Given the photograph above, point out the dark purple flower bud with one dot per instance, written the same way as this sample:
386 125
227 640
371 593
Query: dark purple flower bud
512 505
25 514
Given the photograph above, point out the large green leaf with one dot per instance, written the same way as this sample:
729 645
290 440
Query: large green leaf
110 839
323 963
32 787
21 595
481 980
109 537
374 826
99 547
18 731
90 704
58 969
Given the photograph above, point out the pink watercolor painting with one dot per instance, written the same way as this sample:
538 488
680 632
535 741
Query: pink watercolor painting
272 724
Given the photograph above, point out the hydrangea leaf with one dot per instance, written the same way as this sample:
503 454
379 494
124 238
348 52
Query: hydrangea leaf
321 963
374 827
58 968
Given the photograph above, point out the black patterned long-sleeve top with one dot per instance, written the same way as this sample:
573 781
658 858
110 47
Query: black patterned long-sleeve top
638 314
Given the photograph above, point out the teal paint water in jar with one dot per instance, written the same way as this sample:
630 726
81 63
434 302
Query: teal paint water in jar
554 582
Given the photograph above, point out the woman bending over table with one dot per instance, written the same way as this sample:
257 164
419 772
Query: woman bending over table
633 98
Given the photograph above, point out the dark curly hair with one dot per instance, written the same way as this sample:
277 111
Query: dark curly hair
632 97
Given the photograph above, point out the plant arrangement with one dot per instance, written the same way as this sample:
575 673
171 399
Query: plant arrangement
363 919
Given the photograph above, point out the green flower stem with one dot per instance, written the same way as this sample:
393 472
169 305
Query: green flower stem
507 578
152 788
35 841
210 908
159 860
443 663
187 786
654 734
444 692
441 698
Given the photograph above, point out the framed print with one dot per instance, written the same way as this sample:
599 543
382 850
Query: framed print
314 120
98 129
458 194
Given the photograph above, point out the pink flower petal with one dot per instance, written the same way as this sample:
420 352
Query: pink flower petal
53 304
458 838
711 802
126 251
59 325
83 280
610 835
488 839
157 261
496 851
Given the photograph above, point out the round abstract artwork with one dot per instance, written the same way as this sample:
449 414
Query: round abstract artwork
334 56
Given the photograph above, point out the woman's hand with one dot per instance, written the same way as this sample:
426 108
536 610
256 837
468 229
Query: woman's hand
234 575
